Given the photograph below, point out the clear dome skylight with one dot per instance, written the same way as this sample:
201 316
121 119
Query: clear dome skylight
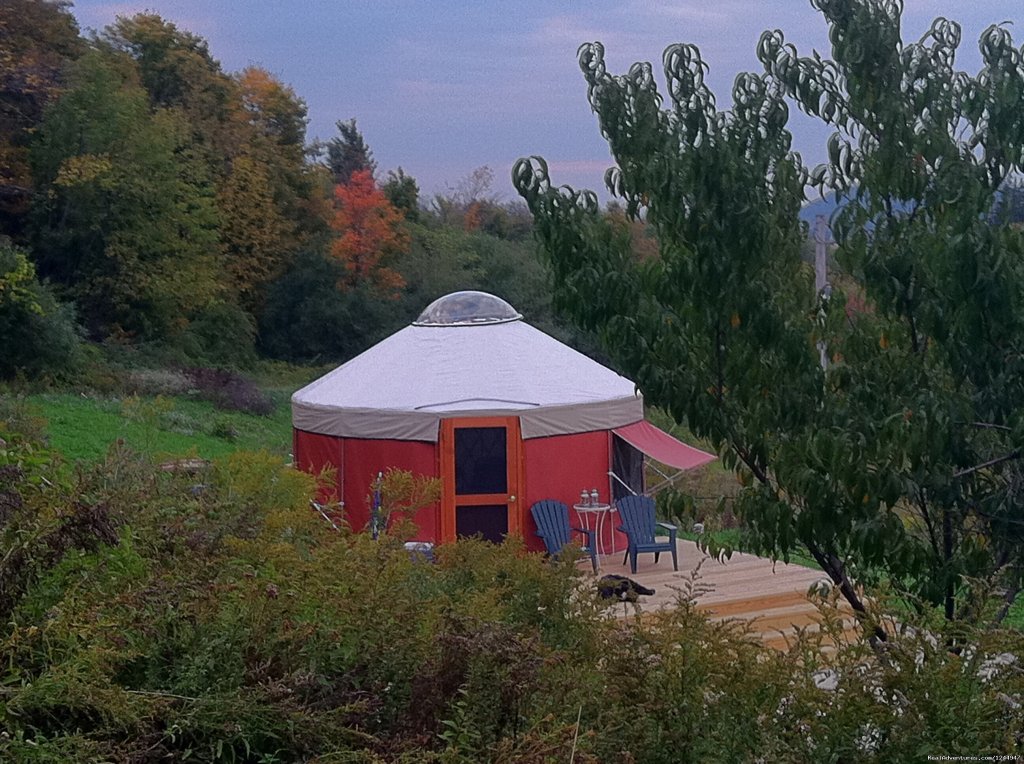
467 309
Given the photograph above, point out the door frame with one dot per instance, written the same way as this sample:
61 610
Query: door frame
514 466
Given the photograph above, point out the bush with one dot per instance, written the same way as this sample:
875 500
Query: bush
221 334
224 429
229 390
39 335
233 624
157 382
16 416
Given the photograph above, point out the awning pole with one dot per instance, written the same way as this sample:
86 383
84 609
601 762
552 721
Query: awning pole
664 475
623 482
664 483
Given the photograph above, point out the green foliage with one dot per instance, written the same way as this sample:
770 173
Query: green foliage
444 259
40 38
308 319
404 194
172 201
39 334
402 494
898 461
347 153
232 623
165 191
125 219
220 334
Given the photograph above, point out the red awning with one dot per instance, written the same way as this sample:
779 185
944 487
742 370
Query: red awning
661 446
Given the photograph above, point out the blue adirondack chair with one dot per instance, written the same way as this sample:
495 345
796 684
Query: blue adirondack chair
552 519
636 513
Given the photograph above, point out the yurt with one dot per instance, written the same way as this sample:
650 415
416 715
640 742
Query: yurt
502 413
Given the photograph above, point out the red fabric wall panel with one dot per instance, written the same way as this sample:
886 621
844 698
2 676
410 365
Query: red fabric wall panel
559 468
555 468
312 452
365 458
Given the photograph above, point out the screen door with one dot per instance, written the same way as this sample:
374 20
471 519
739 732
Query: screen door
481 459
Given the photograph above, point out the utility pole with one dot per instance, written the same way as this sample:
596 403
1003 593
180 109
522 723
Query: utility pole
822 289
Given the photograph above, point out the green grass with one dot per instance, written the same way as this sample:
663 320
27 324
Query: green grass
1015 615
734 539
84 427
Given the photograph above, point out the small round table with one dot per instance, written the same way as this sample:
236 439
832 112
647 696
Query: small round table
599 512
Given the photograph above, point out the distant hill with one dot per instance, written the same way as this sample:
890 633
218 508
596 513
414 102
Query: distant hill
818 205
1009 200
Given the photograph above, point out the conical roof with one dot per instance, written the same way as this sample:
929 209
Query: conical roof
468 354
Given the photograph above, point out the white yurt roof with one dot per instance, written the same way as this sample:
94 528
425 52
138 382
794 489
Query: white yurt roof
468 354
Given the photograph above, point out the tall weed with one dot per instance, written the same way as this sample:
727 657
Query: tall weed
223 620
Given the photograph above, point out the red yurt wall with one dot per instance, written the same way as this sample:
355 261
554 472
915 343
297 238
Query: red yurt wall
365 458
554 468
314 452
559 468
358 462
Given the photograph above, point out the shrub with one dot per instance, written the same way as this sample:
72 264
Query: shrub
234 624
180 422
157 382
39 335
224 429
229 390
17 416
221 334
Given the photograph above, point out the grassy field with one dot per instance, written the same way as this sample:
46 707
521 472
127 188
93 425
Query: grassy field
83 427
82 424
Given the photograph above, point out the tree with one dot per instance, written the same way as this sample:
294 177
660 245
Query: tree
273 107
899 461
247 132
39 39
347 154
404 194
124 218
178 72
473 205
277 120
308 319
254 235
461 205
370 232
39 334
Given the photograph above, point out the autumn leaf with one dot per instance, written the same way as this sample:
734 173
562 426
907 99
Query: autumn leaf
370 231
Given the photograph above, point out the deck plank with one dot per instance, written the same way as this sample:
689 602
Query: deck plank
771 597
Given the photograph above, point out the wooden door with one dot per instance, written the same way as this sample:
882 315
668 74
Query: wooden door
481 474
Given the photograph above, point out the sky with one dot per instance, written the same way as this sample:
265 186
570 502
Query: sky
441 87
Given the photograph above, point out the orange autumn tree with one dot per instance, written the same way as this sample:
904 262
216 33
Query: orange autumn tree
370 233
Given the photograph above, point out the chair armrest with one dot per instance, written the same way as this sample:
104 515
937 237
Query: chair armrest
588 533
670 528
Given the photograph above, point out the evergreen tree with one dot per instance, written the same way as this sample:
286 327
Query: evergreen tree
347 154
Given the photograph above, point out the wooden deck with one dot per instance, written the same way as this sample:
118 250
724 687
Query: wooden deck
771 597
